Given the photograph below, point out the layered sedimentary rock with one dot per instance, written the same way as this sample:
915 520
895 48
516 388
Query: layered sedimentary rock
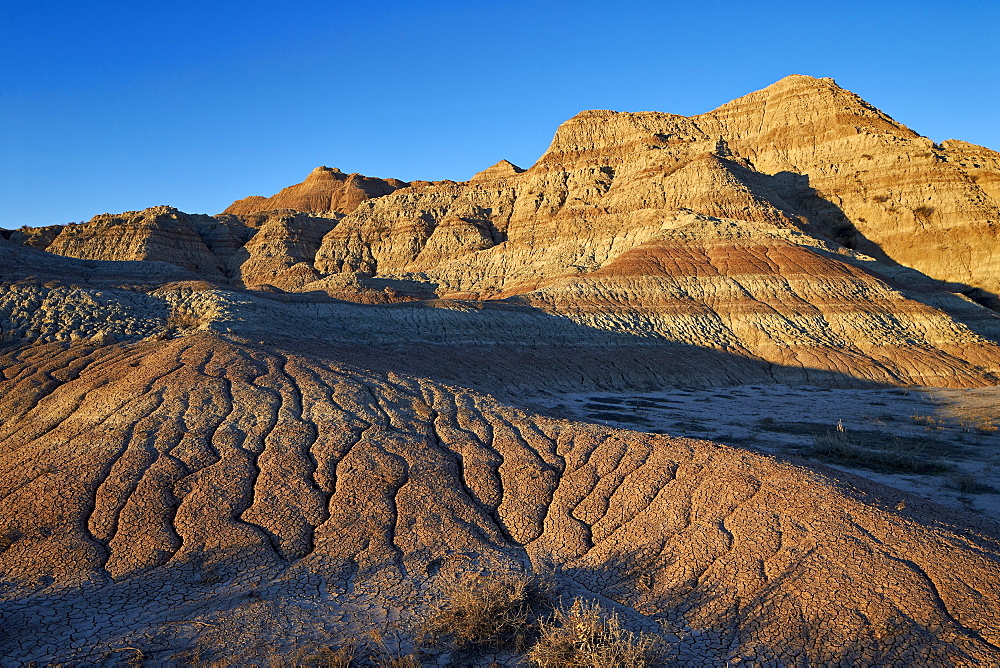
191 471
35 237
273 248
159 233
325 191
264 495
282 249
802 150
732 225
18 262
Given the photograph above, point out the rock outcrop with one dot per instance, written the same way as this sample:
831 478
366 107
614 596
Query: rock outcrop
268 248
802 150
159 233
35 237
282 250
326 191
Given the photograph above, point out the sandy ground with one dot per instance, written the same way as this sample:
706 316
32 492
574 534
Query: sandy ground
941 444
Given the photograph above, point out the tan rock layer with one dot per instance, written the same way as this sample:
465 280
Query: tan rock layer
35 237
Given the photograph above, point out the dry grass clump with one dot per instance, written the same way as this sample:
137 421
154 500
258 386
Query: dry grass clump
586 635
888 456
498 612
326 657
517 612
968 483
346 656
986 426
182 318
929 421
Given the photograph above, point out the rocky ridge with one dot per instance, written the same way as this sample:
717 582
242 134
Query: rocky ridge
802 151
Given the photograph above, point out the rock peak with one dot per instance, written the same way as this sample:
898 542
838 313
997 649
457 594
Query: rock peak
804 80
325 173
500 169
324 191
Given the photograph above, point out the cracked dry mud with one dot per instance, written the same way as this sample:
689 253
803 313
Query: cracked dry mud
207 493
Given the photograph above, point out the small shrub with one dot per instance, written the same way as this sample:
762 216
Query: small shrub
585 635
929 421
488 612
986 427
967 483
182 318
881 198
923 211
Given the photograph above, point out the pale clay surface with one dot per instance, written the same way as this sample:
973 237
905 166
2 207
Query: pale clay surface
193 471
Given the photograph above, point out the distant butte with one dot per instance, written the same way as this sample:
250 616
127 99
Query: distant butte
325 191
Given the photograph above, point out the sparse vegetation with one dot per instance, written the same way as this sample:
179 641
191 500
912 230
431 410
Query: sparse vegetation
346 656
929 421
328 657
182 318
518 613
586 635
878 451
968 483
923 211
890 455
499 612
986 427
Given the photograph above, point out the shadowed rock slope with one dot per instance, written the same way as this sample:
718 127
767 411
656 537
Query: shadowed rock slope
198 243
259 495
709 302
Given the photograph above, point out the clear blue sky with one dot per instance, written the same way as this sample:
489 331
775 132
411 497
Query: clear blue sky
112 106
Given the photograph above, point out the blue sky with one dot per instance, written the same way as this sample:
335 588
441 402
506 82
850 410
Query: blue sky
113 106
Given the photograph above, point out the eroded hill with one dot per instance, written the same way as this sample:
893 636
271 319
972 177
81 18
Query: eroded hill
266 496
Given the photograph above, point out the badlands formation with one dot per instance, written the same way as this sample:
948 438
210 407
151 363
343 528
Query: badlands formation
245 437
